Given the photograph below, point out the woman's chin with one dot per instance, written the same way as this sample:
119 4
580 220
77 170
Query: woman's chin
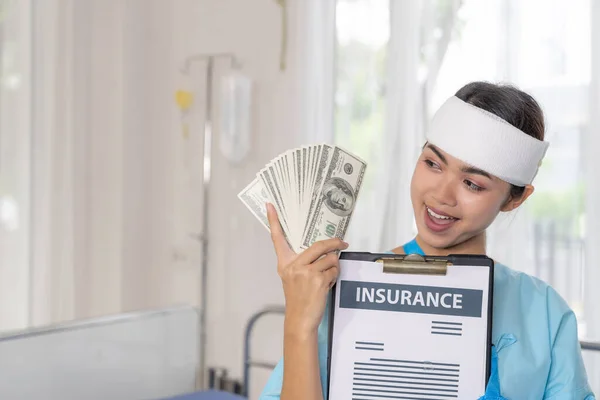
436 241
439 245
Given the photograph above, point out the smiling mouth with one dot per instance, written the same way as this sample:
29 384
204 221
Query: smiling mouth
437 221
438 215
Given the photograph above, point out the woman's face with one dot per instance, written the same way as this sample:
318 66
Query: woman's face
453 201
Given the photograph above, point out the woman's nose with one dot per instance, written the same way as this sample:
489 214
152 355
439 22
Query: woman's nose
445 193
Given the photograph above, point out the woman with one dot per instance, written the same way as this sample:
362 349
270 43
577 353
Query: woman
483 150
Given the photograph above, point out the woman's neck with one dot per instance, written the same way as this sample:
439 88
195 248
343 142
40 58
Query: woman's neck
475 245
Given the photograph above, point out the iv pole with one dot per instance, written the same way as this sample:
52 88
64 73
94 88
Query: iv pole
207 162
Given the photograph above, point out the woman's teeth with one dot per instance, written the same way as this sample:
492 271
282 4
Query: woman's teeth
438 216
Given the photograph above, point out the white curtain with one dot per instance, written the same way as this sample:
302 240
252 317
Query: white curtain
88 164
15 156
390 139
74 172
402 129
419 34
314 21
53 186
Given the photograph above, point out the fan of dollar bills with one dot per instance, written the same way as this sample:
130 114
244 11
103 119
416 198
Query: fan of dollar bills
314 190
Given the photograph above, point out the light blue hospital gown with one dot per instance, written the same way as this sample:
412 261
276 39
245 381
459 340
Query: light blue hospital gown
536 352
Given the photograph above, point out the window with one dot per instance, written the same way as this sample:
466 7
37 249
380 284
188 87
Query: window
545 50
361 50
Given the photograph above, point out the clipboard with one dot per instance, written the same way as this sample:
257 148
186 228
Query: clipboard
380 379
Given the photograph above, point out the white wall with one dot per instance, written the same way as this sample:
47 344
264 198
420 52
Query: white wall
145 194
242 276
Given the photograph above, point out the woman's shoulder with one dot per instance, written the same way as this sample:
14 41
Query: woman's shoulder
527 301
508 281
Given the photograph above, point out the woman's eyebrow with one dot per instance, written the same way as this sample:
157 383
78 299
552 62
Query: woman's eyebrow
466 169
437 153
477 171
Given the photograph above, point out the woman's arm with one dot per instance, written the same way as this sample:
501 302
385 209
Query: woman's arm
567 378
301 379
307 278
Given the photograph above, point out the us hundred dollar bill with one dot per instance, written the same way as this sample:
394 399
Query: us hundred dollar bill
255 197
330 216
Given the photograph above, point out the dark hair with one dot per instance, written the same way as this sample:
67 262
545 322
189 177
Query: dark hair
512 105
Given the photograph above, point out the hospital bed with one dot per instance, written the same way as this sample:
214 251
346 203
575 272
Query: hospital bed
142 355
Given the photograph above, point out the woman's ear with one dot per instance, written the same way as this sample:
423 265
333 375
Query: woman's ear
514 202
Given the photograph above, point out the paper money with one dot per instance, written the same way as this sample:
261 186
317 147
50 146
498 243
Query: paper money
255 197
314 190
336 198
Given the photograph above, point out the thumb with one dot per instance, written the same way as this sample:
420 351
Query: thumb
282 247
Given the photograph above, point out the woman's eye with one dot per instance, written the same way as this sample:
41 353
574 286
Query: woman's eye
432 164
472 186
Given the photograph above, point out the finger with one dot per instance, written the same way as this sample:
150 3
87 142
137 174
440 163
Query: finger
331 275
320 248
327 262
282 248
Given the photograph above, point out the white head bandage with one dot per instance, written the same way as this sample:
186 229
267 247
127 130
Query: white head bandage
486 141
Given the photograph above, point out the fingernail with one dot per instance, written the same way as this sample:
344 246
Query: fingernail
345 244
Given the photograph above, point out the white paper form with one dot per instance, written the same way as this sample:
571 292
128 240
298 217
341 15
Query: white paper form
403 336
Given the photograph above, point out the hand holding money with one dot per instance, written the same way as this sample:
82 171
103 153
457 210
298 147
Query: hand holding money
306 277
313 189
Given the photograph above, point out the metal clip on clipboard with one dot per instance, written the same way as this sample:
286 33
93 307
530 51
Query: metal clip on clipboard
414 264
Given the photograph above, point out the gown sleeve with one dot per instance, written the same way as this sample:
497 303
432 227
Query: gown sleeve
567 378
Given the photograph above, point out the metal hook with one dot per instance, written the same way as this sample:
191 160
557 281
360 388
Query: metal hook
185 68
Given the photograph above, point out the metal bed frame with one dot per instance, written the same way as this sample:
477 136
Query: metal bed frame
591 346
249 362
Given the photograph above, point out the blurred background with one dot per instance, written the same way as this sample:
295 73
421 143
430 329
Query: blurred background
127 128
